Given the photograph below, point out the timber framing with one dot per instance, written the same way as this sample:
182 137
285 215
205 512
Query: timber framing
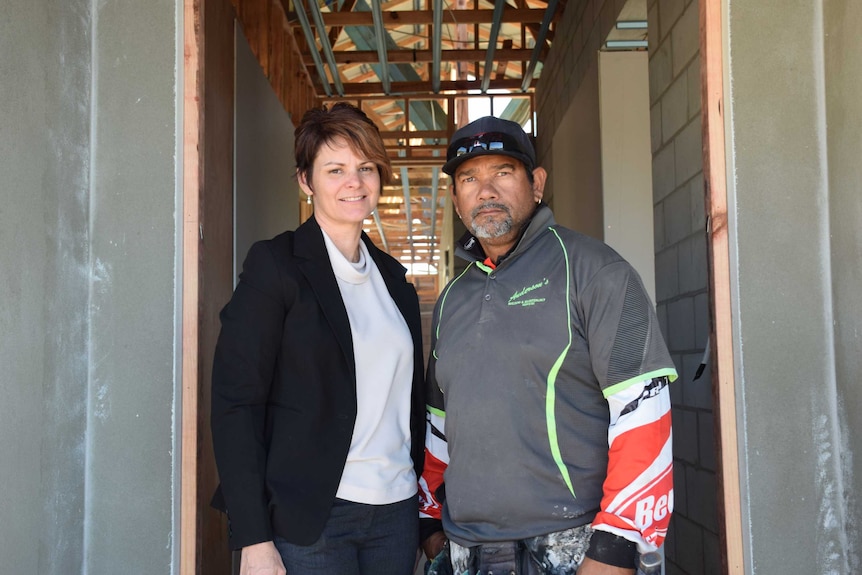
266 28
721 336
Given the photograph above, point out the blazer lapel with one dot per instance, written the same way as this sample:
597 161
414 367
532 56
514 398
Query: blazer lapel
313 262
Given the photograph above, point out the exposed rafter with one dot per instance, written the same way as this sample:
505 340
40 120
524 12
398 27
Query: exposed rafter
540 42
424 17
492 45
324 43
421 87
437 45
312 45
380 33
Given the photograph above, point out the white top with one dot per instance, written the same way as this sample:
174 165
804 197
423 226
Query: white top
378 469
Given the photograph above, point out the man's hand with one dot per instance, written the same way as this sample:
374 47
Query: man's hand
434 544
592 567
261 559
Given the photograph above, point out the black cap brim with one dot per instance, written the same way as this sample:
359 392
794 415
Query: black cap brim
452 165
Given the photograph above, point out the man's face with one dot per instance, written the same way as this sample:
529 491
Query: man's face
494 197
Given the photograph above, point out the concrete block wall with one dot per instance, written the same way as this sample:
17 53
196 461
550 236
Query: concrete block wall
567 63
682 276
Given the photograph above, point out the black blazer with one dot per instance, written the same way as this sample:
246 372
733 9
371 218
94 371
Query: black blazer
284 387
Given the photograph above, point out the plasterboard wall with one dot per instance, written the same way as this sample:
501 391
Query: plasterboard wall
89 252
266 193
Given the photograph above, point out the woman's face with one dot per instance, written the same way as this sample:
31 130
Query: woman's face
345 187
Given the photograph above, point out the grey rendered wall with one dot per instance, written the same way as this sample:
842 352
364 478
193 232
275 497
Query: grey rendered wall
843 79
266 191
88 202
794 151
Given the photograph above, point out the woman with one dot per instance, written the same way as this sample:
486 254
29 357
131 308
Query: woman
317 407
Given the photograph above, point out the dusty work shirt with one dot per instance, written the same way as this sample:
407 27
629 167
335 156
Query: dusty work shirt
525 356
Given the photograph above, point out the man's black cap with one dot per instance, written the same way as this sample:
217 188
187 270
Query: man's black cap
486 136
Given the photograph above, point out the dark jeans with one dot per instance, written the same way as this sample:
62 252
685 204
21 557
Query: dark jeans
359 539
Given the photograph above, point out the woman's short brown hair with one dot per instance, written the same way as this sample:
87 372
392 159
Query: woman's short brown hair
324 125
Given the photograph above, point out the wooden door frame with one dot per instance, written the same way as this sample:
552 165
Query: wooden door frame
721 336
192 112
207 275
208 116
200 295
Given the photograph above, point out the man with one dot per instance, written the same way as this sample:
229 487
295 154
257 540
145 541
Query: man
549 409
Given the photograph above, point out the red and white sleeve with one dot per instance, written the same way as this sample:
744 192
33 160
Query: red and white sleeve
638 491
436 460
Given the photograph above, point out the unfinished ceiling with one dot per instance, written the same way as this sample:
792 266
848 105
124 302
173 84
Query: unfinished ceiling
423 47
419 69
412 66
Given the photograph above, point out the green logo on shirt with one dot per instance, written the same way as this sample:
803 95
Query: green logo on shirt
515 298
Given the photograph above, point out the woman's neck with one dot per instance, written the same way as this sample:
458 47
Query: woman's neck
345 238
